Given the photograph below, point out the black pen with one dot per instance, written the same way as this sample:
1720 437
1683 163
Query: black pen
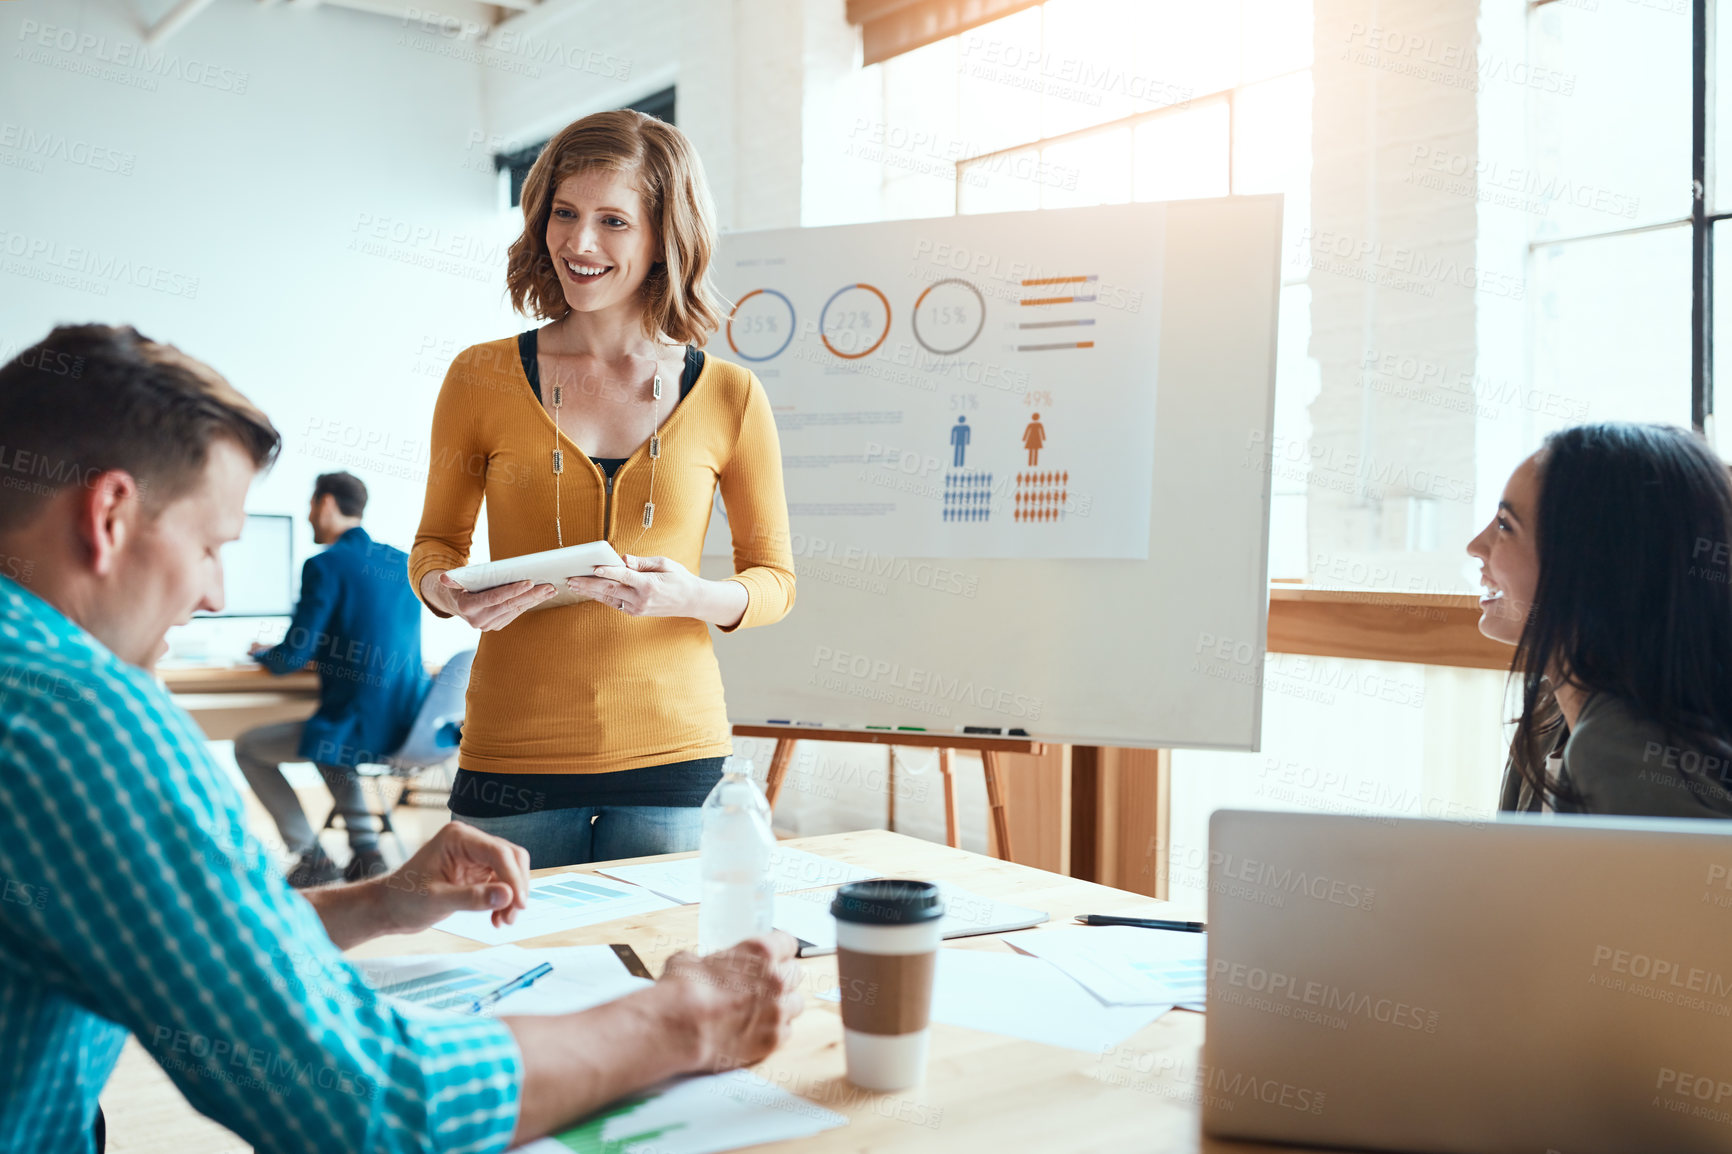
1142 923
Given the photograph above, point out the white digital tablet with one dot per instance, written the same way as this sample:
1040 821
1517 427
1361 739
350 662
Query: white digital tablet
550 567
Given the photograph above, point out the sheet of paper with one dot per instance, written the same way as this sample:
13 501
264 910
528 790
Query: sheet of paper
583 976
794 869
695 1116
807 916
1126 965
1023 997
558 902
966 386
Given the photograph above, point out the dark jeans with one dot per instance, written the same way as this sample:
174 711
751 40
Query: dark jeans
556 837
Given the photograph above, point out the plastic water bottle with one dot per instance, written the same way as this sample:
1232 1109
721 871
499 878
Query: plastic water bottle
739 896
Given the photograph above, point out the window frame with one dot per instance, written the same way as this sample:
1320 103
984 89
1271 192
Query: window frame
1702 59
1228 96
1701 220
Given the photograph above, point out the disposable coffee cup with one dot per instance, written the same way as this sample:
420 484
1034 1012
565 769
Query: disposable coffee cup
886 950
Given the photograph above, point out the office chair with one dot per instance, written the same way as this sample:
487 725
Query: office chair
431 743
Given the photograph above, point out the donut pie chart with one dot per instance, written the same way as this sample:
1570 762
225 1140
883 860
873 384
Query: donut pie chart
764 330
957 296
824 336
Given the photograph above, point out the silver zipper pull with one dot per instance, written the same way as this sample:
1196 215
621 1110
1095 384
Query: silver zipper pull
649 513
656 389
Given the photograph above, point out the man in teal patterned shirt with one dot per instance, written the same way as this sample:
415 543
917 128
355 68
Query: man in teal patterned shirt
133 900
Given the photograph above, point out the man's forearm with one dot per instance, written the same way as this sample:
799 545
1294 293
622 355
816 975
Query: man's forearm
573 1064
352 913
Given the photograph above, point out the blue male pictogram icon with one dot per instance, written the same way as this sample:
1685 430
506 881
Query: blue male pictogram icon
959 435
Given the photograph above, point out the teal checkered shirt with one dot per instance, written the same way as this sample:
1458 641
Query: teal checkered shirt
132 900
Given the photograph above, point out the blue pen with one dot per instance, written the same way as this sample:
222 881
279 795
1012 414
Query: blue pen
520 982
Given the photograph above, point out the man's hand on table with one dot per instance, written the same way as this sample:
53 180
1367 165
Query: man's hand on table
739 1003
705 1015
459 868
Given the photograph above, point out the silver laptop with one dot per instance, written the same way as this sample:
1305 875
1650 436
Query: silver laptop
1532 984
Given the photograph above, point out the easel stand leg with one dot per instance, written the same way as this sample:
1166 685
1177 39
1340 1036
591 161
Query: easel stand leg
991 751
890 789
779 768
952 836
995 802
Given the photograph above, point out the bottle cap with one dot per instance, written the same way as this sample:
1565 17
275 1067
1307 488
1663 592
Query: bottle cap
737 765
887 902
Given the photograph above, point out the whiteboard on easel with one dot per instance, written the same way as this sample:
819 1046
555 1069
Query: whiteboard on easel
1025 458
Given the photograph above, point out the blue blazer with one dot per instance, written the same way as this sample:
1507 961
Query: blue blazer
360 622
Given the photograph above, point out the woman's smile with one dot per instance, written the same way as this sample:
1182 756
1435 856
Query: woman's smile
585 272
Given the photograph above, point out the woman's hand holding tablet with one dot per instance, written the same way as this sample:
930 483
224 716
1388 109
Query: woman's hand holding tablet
493 594
662 587
642 587
487 610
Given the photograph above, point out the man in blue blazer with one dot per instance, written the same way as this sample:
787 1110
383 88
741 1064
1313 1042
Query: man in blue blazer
358 620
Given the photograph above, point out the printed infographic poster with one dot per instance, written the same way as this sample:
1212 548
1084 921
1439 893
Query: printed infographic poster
971 386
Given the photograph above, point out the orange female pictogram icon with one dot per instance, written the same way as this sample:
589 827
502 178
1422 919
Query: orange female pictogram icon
1033 438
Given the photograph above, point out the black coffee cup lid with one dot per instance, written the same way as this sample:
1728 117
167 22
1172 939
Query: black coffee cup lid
887 902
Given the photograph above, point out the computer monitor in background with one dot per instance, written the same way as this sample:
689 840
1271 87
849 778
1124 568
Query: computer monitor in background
258 569
258 598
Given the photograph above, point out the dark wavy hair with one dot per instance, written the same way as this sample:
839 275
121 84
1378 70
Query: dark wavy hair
1634 540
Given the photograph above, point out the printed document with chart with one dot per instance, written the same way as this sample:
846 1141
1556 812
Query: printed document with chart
971 386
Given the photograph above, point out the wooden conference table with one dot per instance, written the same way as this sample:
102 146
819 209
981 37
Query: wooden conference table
982 1091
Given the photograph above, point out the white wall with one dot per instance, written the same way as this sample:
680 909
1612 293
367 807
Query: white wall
568 58
765 87
306 197
652 44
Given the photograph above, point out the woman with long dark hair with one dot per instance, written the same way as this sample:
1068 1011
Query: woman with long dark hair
1606 566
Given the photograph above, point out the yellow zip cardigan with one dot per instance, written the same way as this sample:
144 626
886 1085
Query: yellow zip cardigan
585 688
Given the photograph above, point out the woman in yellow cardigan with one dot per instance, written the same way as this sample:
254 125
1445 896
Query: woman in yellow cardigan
594 730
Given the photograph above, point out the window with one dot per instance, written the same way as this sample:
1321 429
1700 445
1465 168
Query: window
1609 251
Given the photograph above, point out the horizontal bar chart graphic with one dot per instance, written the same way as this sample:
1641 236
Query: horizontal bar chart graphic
443 990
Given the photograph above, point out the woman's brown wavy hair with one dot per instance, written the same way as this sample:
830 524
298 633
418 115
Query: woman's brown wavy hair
678 300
